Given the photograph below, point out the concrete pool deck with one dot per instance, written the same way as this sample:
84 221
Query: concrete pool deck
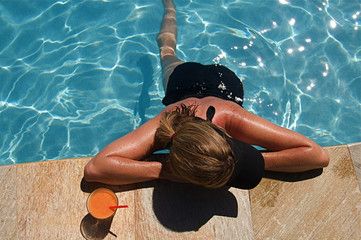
46 200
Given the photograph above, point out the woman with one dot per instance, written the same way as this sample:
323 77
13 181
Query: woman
207 130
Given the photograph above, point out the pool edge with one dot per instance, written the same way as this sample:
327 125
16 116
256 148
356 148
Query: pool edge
13 220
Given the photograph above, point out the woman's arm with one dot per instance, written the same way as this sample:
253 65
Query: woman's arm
118 163
120 171
288 151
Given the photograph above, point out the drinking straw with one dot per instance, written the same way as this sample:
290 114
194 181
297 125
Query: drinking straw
122 206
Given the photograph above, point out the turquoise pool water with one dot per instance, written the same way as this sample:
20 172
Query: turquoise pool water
76 75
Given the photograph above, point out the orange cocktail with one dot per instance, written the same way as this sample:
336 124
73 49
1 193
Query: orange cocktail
99 202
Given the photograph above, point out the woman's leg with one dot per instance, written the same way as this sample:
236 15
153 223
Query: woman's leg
167 41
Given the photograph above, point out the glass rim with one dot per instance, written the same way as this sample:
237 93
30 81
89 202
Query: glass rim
98 190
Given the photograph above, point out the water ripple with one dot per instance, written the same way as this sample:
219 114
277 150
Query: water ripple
72 81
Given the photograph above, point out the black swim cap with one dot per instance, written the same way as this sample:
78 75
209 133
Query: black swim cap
249 164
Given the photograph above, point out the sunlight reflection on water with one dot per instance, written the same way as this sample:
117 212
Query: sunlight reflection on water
77 75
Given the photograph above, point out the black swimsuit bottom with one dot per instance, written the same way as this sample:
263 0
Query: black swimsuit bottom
199 81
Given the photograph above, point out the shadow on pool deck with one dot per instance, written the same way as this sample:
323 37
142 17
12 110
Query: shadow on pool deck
46 200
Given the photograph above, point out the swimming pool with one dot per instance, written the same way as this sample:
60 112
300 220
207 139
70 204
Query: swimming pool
76 75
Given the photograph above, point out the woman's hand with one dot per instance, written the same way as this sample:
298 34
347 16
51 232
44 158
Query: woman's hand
167 174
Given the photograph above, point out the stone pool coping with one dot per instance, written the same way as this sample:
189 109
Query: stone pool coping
46 200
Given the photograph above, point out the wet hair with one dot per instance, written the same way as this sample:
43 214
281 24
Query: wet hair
198 153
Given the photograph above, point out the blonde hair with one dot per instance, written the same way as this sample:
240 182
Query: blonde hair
198 153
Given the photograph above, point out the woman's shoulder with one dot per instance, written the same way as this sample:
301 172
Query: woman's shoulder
226 111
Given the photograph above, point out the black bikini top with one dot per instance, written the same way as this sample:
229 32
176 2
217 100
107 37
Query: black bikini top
249 162
210 113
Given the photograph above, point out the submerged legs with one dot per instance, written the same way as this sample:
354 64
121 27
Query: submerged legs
167 41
